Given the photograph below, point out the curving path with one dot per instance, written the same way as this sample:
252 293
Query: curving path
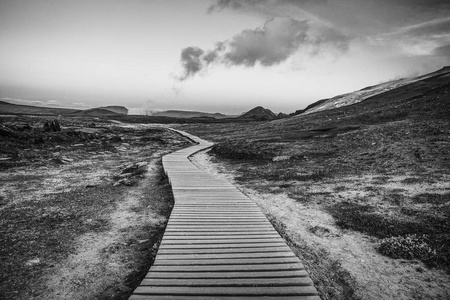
218 244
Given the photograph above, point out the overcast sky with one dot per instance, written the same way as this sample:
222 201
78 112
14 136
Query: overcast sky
219 56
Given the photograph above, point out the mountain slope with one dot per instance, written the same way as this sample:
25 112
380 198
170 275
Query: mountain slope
367 92
402 129
258 113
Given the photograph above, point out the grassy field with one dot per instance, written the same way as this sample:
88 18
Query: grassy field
82 210
378 170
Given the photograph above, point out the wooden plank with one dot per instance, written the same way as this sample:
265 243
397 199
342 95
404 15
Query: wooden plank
196 256
209 233
226 261
213 197
227 246
215 210
218 221
203 208
276 249
228 275
227 225
230 268
292 281
217 216
215 203
249 297
220 241
218 212
220 237
209 228
230 227
232 291
204 234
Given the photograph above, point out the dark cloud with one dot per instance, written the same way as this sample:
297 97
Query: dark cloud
212 55
191 61
272 44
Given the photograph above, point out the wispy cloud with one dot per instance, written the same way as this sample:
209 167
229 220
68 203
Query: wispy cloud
272 44
259 5
434 29
427 38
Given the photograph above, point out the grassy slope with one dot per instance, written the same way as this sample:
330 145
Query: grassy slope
403 132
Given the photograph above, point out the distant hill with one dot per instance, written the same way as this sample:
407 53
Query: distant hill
259 113
182 114
367 92
116 109
9 108
95 112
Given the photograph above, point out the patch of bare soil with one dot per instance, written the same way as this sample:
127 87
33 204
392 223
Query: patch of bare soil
82 210
344 263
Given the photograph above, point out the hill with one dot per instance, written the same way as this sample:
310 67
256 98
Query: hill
258 113
182 114
367 92
9 108
116 109
95 112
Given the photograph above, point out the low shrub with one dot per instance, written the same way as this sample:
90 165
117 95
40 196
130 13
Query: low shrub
364 218
409 247
246 150
289 174
436 199
412 234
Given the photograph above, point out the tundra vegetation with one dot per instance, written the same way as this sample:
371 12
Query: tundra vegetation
82 209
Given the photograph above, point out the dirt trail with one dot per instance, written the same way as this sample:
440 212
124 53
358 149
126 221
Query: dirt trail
376 276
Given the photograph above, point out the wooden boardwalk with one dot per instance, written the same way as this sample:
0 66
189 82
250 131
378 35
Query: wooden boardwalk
218 244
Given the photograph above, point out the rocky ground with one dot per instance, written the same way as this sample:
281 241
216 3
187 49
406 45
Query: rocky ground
82 208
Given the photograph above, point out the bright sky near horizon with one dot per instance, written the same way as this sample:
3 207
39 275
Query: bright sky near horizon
213 55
